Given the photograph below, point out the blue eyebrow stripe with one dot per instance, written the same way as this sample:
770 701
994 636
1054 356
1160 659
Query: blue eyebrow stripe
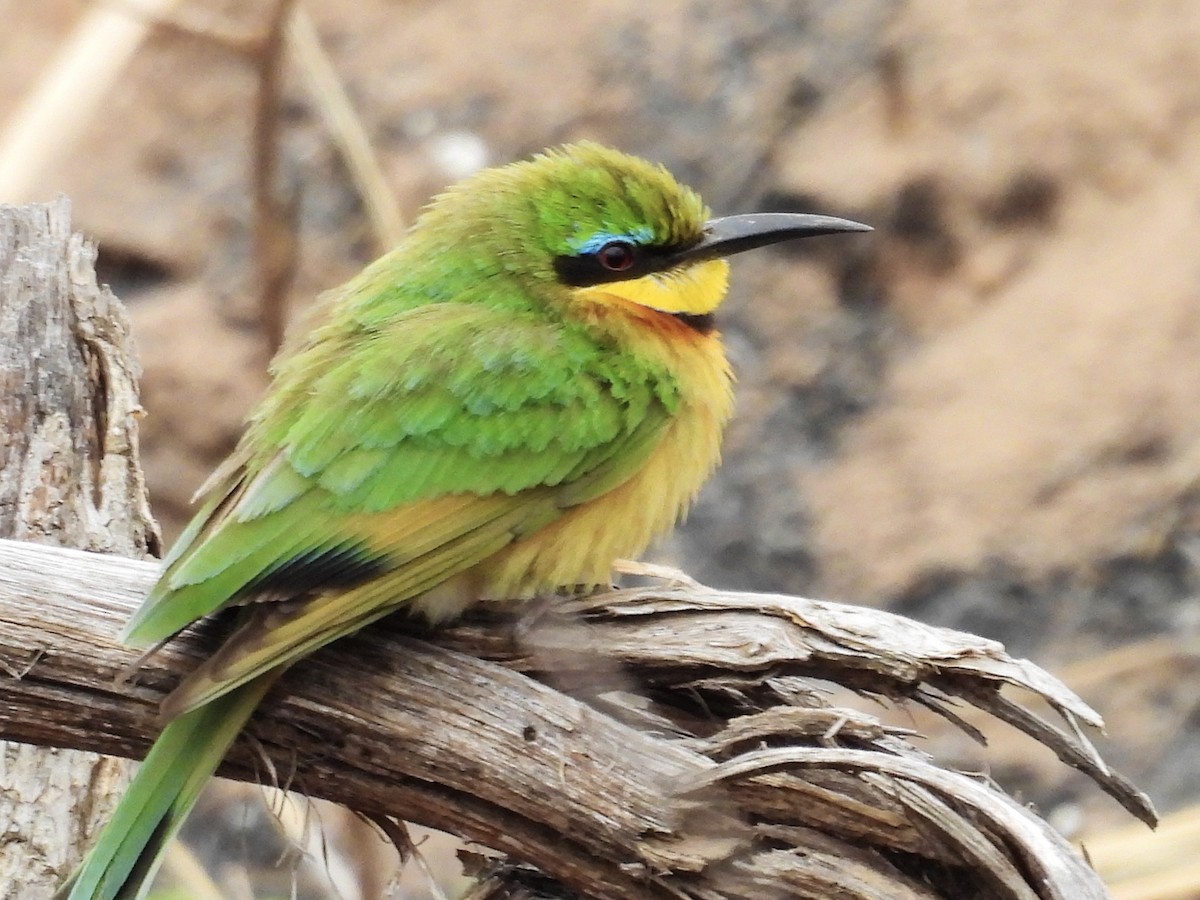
594 242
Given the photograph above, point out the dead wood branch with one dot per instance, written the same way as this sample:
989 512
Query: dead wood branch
723 776
69 476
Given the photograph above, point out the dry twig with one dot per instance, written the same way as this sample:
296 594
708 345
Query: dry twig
53 115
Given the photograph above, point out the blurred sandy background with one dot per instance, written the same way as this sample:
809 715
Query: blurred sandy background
986 415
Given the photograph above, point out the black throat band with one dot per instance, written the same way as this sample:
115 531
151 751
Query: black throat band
702 323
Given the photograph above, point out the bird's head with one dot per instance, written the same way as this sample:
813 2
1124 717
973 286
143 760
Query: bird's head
610 227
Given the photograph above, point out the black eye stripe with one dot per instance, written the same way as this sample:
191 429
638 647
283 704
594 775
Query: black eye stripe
586 269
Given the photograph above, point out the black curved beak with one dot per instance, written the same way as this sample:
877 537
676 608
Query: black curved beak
735 234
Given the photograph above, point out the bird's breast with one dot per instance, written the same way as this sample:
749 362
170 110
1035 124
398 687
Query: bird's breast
579 548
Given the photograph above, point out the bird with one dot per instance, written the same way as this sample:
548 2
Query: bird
528 387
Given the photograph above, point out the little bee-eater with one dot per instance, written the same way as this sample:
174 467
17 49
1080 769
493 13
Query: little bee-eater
529 387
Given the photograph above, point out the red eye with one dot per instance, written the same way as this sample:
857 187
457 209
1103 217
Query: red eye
616 256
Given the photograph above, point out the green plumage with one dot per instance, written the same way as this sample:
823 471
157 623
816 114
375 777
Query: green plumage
444 370
167 785
487 403
460 420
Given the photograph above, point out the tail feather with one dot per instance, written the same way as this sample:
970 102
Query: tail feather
124 860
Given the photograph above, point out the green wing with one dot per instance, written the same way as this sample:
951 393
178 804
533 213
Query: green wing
386 462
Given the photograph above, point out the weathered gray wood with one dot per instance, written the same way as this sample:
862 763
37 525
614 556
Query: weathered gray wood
393 725
69 475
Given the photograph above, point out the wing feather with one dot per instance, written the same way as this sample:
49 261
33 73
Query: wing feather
276 634
387 463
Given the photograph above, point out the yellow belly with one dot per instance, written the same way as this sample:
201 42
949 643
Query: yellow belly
580 547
